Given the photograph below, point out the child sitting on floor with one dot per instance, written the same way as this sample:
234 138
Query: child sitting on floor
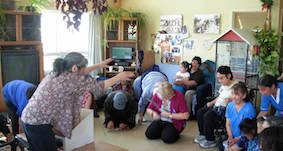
248 128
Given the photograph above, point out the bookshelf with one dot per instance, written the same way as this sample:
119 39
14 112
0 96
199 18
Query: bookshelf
22 46
122 34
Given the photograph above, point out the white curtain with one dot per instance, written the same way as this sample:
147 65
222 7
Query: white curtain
94 41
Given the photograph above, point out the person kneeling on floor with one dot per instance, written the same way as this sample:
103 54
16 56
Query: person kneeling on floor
120 109
169 111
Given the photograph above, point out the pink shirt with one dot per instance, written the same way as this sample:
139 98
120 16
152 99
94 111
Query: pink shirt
178 105
57 101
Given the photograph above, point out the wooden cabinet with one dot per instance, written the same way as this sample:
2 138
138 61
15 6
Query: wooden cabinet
121 45
21 54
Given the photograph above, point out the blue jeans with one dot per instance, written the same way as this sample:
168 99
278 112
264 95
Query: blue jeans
40 137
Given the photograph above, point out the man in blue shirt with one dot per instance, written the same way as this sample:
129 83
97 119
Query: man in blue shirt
144 86
15 95
272 93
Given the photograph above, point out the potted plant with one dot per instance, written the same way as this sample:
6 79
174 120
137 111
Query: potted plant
114 14
268 45
268 51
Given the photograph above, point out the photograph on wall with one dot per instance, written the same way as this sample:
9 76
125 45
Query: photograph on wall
169 46
132 30
171 24
207 23
207 43
188 45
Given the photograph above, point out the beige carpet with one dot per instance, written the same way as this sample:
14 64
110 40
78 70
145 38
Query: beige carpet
134 140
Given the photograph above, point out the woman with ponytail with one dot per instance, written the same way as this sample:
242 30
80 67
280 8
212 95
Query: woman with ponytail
236 111
57 101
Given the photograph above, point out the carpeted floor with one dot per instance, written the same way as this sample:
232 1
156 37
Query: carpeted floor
134 140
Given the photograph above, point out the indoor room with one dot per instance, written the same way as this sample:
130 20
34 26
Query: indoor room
135 75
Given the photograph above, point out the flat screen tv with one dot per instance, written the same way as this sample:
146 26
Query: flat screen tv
20 65
122 53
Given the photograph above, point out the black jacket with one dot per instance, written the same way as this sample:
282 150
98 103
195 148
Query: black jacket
127 116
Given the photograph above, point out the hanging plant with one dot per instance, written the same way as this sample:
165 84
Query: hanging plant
112 15
141 17
73 10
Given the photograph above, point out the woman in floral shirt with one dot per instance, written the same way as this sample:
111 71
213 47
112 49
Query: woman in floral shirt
57 101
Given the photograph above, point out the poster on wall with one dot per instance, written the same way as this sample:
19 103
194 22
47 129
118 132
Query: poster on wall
207 43
172 24
170 47
207 23
188 45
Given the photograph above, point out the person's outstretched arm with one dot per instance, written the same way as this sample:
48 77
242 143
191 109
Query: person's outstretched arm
99 65
119 77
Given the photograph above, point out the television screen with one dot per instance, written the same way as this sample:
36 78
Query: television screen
122 53
20 65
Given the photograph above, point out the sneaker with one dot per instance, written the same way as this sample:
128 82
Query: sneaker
208 144
199 139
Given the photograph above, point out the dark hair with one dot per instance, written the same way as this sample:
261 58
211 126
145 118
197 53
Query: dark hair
267 81
225 70
30 91
185 64
271 139
198 59
73 58
249 126
271 120
242 88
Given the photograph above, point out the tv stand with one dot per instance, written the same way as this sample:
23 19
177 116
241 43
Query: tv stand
122 63
119 35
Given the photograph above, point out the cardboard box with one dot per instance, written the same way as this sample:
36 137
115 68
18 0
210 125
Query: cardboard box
82 134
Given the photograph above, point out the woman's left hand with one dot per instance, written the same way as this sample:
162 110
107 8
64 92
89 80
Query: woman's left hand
105 63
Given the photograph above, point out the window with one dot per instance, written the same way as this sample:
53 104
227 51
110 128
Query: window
58 40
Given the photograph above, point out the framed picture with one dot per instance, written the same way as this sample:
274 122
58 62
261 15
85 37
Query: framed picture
171 24
207 23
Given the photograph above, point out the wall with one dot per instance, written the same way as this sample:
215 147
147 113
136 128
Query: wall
188 8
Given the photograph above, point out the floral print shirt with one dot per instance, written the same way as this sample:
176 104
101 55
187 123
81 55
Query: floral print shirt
57 101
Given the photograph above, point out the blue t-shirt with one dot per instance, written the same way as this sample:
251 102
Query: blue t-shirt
247 111
253 145
15 91
267 100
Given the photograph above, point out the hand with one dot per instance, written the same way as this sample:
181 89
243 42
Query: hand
105 63
125 75
155 116
165 114
9 137
110 125
227 100
209 104
123 126
179 82
231 141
